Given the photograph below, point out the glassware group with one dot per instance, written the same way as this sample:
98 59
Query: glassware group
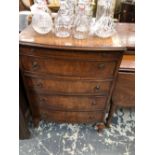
74 18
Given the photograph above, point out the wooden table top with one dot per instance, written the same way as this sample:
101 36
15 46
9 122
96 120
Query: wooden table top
122 39
126 33
128 63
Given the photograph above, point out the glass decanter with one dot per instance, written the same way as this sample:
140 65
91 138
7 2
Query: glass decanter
41 20
81 23
71 9
63 21
104 25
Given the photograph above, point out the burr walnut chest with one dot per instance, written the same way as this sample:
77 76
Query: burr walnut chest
68 80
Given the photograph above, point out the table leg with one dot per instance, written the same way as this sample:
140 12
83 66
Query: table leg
113 108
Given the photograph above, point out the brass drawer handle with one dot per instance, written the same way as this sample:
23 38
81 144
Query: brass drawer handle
101 66
43 100
103 54
97 88
93 102
39 84
91 117
35 65
32 50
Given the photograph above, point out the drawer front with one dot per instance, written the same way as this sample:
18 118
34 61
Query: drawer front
66 67
68 86
124 92
69 103
48 53
72 117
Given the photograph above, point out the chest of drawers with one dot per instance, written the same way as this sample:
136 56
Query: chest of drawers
70 84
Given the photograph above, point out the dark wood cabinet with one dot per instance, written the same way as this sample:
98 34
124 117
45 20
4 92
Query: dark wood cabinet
65 88
124 93
127 14
68 80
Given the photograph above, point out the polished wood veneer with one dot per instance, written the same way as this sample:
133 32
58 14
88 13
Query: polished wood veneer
69 102
124 92
61 94
70 85
72 67
72 117
69 80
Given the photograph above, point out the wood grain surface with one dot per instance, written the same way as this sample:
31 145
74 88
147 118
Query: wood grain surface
128 63
70 80
123 38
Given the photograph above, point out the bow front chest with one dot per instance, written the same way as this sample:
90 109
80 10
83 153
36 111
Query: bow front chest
68 80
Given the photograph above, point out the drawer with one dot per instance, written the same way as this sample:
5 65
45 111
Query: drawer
69 67
124 92
69 103
72 117
78 55
68 86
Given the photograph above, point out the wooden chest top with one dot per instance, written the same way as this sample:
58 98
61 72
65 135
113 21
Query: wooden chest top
70 80
122 39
